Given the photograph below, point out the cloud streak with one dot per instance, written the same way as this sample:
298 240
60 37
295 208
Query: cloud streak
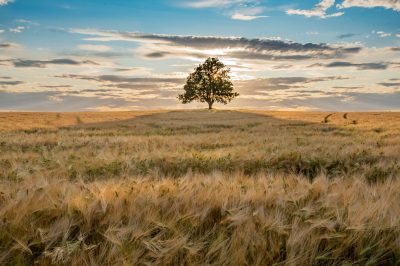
388 4
360 66
8 45
245 10
320 10
45 63
5 2
11 82
94 47
158 46
282 83
390 84
346 35
214 3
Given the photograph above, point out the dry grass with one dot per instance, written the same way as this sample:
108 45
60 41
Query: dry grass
29 120
200 187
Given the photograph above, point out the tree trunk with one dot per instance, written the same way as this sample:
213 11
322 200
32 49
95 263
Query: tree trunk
210 104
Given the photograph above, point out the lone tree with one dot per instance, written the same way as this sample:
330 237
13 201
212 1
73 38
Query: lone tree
210 83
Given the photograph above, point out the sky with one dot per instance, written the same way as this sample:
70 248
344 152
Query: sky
102 55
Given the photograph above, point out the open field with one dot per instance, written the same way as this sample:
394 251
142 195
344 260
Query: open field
200 188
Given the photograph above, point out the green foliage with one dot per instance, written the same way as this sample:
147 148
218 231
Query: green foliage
210 83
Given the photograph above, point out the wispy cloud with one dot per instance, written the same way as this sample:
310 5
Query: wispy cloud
94 47
390 84
10 82
248 14
320 10
346 35
17 29
382 34
117 79
5 2
215 3
282 83
55 86
9 45
45 63
245 10
388 4
159 46
360 66
26 21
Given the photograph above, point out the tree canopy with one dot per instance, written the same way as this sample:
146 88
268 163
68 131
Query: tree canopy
210 83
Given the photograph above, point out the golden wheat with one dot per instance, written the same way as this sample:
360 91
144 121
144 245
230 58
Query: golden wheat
200 188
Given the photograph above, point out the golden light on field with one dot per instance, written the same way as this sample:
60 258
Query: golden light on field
209 187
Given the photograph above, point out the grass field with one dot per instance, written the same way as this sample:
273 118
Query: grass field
200 188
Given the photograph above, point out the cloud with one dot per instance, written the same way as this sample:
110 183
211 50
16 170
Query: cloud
347 87
122 79
245 10
5 2
214 3
143 71
5 45
383 34
248 13
153 86
346 35
10 83
9 46
97 54
55 86
17 29
390 84
241 16
156 55
318 11
44 101
159 46
118 79
281 83
388 4
29 22
45 63
151 92
55 98
360 66
284 66
95 48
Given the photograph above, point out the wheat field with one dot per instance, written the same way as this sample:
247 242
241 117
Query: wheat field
200 188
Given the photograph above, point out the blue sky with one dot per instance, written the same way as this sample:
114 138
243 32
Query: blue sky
128 55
